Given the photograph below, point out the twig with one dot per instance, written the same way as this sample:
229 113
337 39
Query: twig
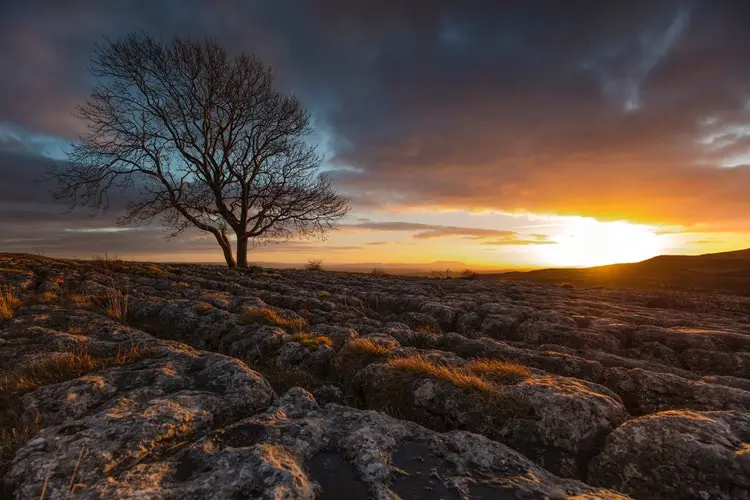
72 484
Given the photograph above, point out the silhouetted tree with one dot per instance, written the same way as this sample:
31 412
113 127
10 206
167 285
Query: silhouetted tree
206 141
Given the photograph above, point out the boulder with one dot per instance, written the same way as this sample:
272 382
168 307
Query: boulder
644 391
556 421
678 454
166 448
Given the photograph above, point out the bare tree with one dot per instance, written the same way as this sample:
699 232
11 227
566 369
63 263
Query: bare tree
206 141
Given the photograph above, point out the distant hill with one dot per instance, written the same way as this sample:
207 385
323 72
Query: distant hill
725 271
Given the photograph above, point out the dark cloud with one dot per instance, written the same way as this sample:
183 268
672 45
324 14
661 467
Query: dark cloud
609 109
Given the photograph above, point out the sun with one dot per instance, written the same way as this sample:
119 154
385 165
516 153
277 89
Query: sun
588 242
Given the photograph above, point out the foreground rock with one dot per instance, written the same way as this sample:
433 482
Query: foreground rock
678 454
556 421
647 392
138 373
151 444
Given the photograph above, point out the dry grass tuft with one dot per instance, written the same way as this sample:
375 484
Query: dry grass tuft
77 300
268 316
155 271
428 328
14 270
416 367
498 372
480 392
379 272
312 342
16 425
9 302
46 298
356 355
108 262
114 304
203 308
117 305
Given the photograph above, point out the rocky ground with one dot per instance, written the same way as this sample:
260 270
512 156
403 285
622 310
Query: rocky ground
183 381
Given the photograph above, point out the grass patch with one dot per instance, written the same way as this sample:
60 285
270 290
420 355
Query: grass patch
268 316
479 383
14 270
77 300
46 298
155 271
428 328
379 272
114 304
498 372
356 355
203 308
108 262
9 302
417 367
17 426
312 342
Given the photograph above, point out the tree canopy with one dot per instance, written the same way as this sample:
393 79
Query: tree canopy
205 140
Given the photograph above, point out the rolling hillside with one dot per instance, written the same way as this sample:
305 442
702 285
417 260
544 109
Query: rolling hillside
727 271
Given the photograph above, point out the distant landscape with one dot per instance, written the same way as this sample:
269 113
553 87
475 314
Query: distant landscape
727 271
724 271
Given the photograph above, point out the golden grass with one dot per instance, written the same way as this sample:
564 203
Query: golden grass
396 395
9 302
356 355
498 372
268 316
108 262
312 342
78 300
115 304
155 271
417 367
46 298
14 270
428 328
203 308
16 426
324 293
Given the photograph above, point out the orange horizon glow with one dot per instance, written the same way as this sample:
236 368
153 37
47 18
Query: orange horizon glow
539 241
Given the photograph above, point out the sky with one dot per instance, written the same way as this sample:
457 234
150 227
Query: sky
497 134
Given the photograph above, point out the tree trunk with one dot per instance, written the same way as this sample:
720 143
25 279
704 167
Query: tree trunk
226 247
241 251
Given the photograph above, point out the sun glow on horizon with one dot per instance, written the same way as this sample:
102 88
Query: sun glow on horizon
587 242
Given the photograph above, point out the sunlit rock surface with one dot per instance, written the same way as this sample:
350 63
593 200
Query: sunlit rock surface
185 381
